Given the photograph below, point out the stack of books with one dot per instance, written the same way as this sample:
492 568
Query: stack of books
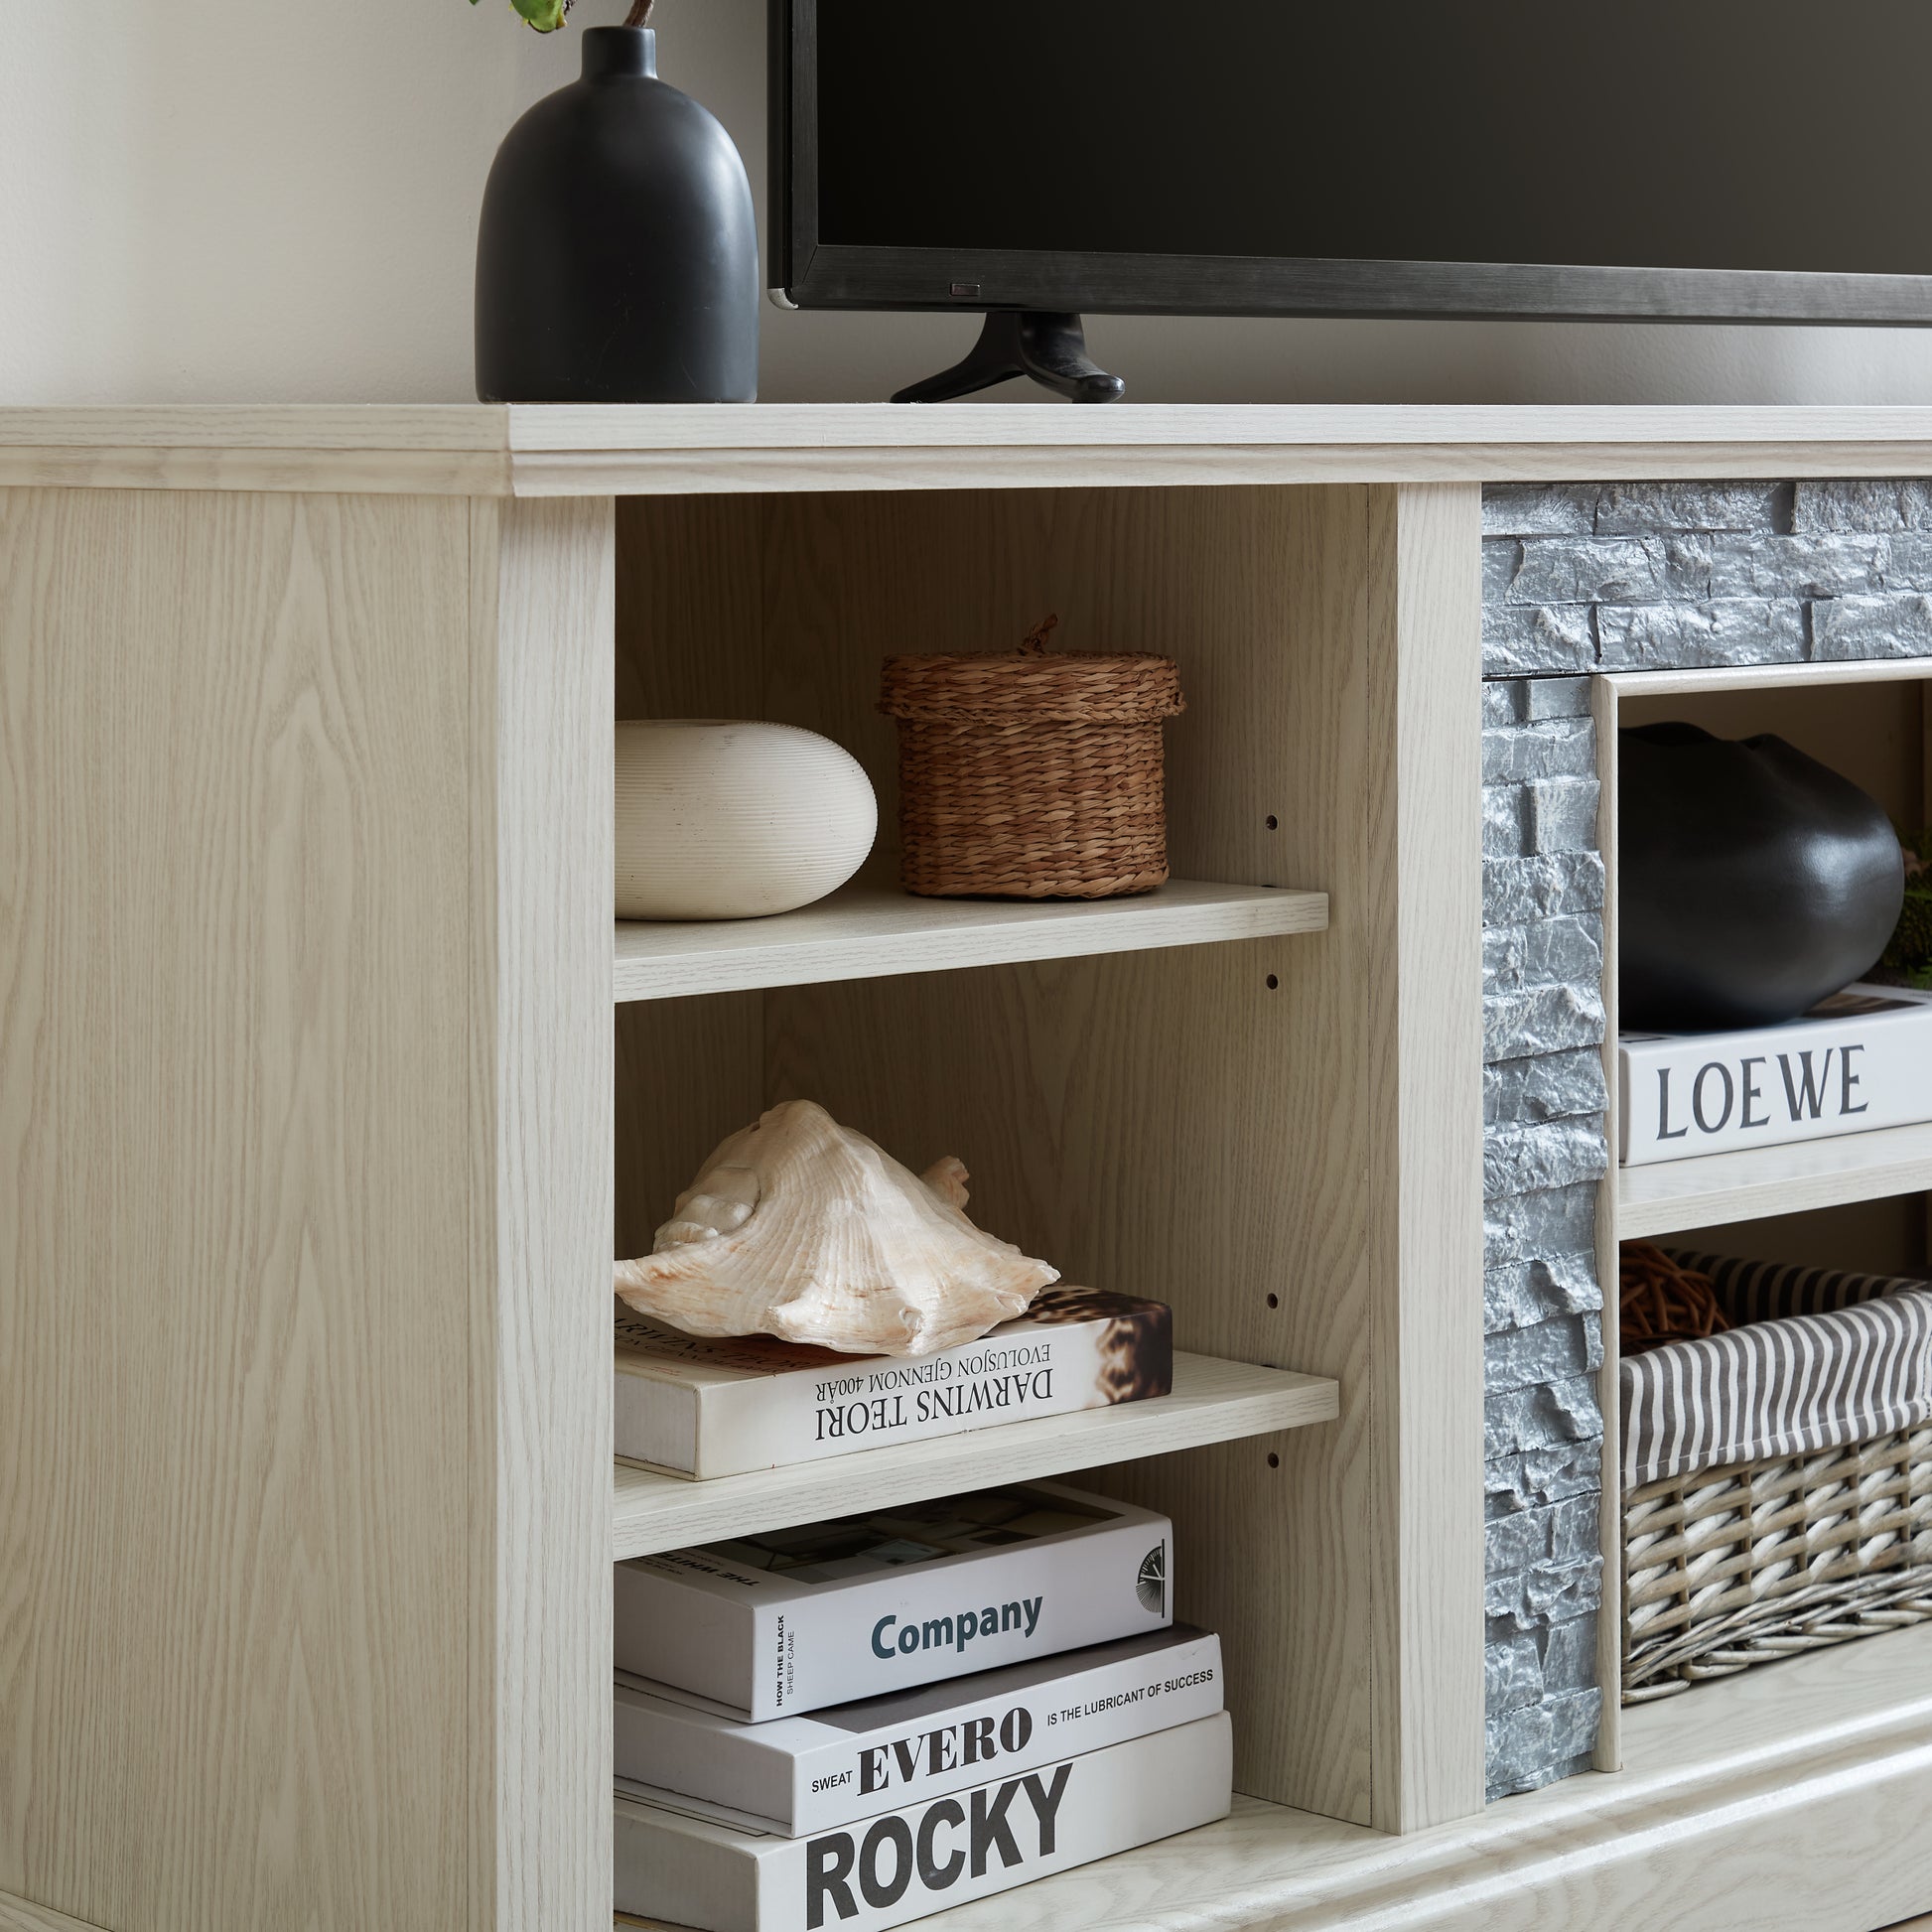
1857 1061
856 1723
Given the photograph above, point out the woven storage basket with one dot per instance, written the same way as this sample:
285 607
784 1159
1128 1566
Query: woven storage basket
1755 1560
1743 1561
1026 775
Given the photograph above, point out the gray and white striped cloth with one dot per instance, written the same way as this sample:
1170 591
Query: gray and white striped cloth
1826 1358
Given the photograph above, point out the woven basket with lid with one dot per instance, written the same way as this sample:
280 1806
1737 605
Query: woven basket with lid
1029 773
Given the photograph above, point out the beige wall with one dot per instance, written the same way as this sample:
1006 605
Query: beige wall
275 200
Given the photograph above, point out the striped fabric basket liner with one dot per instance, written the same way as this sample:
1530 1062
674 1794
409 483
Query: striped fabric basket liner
1777 1479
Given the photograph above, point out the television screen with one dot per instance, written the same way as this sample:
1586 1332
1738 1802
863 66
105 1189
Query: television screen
1719 157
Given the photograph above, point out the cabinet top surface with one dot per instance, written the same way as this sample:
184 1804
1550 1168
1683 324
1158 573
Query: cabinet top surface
568 450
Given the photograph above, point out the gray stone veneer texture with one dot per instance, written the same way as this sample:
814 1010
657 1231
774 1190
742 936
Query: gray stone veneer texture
1580 578
1543 1102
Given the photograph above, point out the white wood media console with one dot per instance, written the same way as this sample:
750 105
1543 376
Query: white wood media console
326 1080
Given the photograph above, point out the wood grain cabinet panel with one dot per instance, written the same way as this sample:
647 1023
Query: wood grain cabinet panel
266 1228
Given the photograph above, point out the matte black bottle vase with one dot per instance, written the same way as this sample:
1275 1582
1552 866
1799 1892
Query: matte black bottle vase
1755 881
618 255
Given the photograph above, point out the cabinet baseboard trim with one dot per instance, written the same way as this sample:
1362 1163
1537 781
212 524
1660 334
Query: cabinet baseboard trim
23 1915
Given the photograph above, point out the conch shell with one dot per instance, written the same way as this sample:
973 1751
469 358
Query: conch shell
803 1229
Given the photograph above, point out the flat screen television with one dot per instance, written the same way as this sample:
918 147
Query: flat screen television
1757 160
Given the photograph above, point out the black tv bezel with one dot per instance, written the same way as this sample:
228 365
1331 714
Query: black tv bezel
807 273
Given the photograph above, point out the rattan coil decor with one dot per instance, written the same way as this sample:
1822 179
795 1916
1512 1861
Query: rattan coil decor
1754 1561
1030 774
1662 1301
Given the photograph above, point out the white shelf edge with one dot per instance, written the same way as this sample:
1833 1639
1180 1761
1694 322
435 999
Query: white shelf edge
869 933
562 450
1674 1196
1769 678
1214 1401
591 427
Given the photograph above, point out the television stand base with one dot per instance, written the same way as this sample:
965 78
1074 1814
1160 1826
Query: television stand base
1051 348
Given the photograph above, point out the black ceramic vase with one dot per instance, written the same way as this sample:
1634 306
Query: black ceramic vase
617 256
1753 880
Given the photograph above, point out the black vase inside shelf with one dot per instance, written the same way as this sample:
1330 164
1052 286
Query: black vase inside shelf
617 259
1753 881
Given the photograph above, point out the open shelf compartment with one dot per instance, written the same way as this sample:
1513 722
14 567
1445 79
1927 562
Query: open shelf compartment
1870 721
1196 1096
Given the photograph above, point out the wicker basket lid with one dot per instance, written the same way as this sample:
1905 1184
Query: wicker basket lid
1081 687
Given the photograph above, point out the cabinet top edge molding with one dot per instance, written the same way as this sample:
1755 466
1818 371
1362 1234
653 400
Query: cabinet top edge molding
549 450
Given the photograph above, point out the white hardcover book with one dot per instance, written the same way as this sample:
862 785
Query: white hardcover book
798 1775
679 1865
824 1613
1859 1061
701 1407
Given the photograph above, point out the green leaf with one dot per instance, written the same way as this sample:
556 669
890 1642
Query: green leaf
546 16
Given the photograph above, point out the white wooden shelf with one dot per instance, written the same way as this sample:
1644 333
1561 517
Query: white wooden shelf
1214 1401
869 932
1674 1195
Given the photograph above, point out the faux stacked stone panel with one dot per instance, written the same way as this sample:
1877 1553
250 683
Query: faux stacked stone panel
1544 1152
1581 580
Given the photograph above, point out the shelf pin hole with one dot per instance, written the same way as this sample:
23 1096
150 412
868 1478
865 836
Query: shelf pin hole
1274 982
1273 1301
1274 1460
1273 823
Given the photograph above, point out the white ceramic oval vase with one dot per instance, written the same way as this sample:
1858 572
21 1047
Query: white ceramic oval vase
726 820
